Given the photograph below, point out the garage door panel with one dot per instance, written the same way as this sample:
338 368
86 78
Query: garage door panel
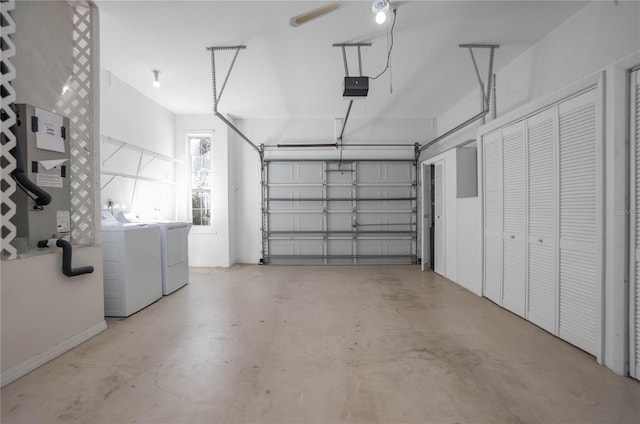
345 176
340 206
389 260
343 231
296 205
292 260
402 220
387 173
288 192
386 205
339 221
299 173
296 247
384 192
339 192
384 247
295 222
341 247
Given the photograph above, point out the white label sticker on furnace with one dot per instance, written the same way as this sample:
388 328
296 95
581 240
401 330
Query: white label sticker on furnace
49 180
63 219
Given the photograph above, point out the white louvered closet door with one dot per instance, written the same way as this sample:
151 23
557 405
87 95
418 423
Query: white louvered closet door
635 228
492 207
580 278
542 152
514 215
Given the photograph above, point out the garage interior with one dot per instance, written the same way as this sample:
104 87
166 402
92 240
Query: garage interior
416 211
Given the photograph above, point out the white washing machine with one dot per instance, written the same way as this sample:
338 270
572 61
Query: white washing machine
132 266
174 247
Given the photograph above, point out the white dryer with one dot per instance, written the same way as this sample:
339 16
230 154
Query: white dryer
132 266
174 248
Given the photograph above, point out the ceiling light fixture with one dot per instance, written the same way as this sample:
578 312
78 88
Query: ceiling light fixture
380 9
156 81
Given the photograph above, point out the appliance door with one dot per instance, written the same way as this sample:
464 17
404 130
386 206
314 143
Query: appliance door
177 245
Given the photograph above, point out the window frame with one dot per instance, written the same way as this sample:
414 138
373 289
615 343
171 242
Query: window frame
188 137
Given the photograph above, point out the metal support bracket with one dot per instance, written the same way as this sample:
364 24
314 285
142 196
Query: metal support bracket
344 46
486 95
358 46
217 96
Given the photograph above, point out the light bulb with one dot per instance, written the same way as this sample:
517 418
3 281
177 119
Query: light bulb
156 79
381 17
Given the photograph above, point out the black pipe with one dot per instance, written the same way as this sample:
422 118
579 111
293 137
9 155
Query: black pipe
66 260
42 197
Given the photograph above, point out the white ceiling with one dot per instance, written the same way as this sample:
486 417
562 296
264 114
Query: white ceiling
294 72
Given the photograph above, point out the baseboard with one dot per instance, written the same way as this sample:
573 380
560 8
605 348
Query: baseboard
31 364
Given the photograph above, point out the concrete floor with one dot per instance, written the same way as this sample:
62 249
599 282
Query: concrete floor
323 345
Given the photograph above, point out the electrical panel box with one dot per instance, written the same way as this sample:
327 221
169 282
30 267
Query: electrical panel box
467 171
356 86
43 146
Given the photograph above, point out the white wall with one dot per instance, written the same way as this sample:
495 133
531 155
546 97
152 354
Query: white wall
246 192
462 242
469 244
210 246
44 52
597 35
44 313
130 116
602 36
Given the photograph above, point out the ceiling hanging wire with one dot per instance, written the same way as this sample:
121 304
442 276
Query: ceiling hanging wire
393 25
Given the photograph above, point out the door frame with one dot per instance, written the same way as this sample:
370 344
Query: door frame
426 217
426 233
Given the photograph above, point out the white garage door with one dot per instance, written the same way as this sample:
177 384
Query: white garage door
328 212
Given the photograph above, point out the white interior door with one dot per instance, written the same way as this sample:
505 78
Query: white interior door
426 218
439 218
542 284
492 213
514 213
580 223
634 332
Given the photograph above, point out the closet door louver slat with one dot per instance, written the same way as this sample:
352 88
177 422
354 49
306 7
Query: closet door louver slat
514 201
635 228
492 189
542 221
578 280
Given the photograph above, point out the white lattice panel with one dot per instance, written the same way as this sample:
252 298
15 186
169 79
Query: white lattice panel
8 73
77 105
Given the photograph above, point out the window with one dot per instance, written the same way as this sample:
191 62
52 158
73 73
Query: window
200 148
